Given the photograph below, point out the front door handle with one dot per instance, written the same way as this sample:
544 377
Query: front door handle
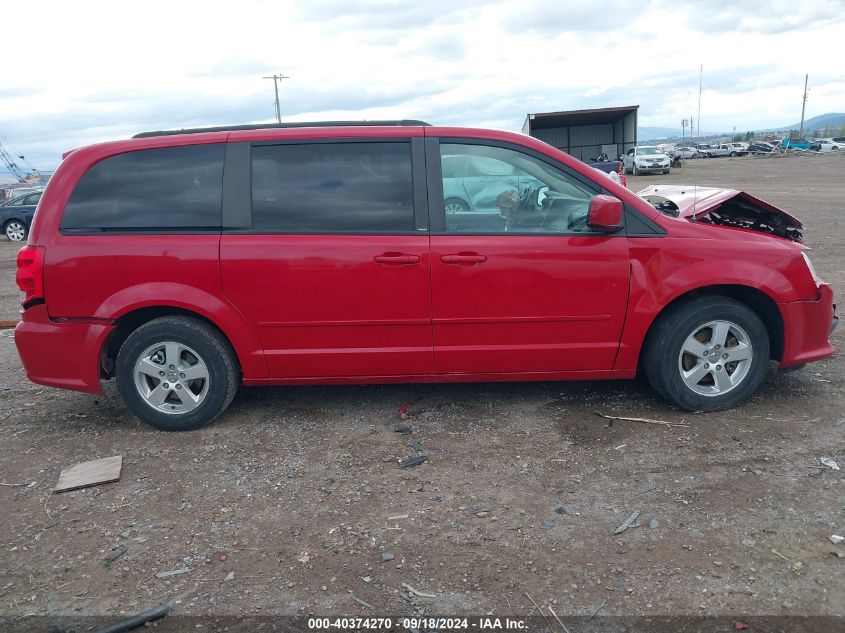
464 258
396 258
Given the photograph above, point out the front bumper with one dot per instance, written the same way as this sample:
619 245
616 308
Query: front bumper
64 354
807 326
653 167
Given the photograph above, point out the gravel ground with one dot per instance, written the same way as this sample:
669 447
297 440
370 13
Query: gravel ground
293 502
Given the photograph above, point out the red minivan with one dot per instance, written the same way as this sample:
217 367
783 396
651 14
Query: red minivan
185 263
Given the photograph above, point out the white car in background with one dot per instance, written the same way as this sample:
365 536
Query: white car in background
826 145
687 152
646 158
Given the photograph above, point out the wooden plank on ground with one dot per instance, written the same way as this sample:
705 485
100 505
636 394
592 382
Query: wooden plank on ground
98 471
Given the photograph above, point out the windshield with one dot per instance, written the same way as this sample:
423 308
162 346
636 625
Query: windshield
648 149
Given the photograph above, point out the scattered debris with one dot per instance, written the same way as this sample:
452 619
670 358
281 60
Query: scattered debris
304 558
13 485
172 572
417 446
230 576
403 410
627 523
777 553
562 625
386 556
416 592
136 620
8 325
827 461
836 539
413 461
645 420
560 510
598 608
98 471
749 542
397 517
358 600
740 626
223 558
403 430
548 624
654 524
113 555
546 525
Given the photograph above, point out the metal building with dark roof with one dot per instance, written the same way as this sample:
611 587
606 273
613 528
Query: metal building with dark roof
586 134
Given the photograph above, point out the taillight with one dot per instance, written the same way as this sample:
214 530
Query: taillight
30 275
619 169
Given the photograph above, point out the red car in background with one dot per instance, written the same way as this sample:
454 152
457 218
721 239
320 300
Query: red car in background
184 264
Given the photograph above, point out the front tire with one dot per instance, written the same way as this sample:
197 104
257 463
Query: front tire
15 230
708 354
176 373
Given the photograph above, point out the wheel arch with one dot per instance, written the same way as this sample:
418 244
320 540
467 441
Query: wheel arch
758 301
132 319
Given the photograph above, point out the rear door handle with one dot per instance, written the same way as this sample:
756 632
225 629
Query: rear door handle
464 258
396 258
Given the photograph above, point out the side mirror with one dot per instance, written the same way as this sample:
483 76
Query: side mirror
605 214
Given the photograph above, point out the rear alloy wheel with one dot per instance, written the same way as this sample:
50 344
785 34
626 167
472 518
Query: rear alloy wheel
708 354
176 373
15 230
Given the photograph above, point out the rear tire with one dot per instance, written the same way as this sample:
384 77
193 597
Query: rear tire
689 351
176 373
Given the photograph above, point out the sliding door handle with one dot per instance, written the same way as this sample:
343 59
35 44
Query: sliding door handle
396 258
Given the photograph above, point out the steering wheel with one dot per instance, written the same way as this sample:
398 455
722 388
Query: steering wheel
524 197
578 224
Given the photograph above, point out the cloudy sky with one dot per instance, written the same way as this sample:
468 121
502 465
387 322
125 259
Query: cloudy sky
87 71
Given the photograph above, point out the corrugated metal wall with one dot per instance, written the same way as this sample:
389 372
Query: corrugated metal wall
586 141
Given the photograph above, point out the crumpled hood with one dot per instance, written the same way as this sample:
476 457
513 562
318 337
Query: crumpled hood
723 207
692 201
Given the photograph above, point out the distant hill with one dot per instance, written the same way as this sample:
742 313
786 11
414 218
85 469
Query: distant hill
831 119
652 133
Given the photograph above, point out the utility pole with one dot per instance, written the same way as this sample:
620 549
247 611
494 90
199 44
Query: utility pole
276 79
803 107
700 83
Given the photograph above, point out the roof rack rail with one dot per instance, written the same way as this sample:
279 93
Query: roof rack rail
264 126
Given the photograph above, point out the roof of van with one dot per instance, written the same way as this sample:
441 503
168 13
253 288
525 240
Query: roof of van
265 126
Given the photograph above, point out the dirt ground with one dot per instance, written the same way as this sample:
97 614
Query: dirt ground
293 502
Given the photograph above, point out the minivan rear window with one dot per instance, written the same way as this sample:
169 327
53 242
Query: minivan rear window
167 189
333 188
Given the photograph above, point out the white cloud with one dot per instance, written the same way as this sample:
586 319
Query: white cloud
100 70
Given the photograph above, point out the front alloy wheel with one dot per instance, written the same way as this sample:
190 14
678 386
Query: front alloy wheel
715 358
707 353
